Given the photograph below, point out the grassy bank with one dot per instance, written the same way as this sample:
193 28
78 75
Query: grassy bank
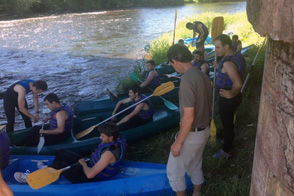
234 23
229 177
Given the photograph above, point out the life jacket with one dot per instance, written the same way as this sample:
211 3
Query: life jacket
68 121
4 149
234 45
145 114
222 80
198 65
25 84
113 168
156 80
205 29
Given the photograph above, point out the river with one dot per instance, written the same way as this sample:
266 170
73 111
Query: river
80 55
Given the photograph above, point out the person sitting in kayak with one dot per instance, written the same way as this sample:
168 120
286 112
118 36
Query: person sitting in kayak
152 78
4 159
59 127
104 161
199 62
141 114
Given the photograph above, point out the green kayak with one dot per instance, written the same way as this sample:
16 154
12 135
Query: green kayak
163 120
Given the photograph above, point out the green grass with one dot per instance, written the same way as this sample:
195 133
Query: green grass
229 177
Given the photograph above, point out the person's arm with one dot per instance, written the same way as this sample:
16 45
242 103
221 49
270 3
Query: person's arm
36 104
231 70
61 116
4 188
199 27
150 77
204 68
239 47
185 127
137 109
106 158
124 101
21 102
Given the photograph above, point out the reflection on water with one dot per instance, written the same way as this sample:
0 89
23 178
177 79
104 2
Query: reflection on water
79 55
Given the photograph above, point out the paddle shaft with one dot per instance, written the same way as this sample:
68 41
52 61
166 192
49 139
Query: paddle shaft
123 110
175 26
252 65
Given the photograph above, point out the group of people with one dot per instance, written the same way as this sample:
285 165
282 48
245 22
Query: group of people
195 100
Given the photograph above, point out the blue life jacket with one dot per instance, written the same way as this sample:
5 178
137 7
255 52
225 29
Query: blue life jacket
205 29
222 80
234 45
145 114
4 149
68 121
25 84
113 168
156 80
198 65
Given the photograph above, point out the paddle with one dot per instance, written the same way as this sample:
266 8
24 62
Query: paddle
167 103
46 176
162 89
41 141
2 127
253 64
176 14
217 29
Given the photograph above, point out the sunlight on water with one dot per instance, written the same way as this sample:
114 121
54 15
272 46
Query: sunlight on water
81 54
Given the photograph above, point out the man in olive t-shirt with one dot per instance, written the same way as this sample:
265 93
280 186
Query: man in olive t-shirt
195 105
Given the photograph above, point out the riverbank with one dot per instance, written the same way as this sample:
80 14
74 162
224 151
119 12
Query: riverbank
230 177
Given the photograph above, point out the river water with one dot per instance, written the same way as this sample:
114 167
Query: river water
80 55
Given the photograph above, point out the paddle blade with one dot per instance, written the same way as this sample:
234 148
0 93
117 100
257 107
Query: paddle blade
164 88
85 132
217 27
169 104
212 131
41 144
135 77
43 177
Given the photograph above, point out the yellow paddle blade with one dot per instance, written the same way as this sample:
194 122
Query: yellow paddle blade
85 132
212 131
217 27
43 177
2 127
164 88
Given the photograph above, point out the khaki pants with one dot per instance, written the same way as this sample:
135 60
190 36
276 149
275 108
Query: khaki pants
190 161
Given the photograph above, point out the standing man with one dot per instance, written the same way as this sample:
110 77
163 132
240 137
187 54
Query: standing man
14 97
230 71
60 125
202 30
141 114
199 62
152 78
195 98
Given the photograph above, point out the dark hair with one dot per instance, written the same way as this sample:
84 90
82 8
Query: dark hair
52 97
151 62
197 52
40 85
135 88
189 25
181 40
235 37
224 39
180 53
109 129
